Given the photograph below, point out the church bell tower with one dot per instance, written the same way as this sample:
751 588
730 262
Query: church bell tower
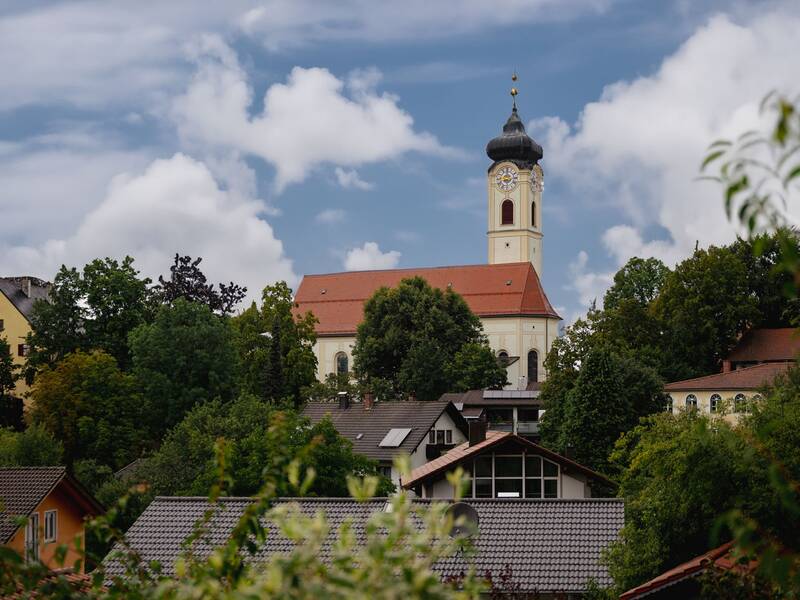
514 185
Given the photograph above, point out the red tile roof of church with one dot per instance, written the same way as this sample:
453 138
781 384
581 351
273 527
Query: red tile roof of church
337 299
767 345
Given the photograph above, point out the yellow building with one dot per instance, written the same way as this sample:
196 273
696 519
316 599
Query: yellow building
17 296
506 293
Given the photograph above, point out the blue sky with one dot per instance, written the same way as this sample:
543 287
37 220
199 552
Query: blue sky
282 138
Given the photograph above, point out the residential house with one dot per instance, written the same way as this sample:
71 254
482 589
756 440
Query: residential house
383 431
504 465
506 293
682 582
549 547
55 505
759 357
517 411
17 296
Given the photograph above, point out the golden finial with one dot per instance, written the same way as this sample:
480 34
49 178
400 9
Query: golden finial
514 91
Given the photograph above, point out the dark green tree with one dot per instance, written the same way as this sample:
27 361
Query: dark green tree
410 337
187 281
640 280
9 371
34 447
610 394
184 357
275 347
91 407
260 439
475 366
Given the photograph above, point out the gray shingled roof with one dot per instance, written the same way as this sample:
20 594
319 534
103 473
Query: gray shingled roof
21 491
550 545
12 288
375 423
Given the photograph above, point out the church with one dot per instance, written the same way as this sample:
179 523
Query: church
505 293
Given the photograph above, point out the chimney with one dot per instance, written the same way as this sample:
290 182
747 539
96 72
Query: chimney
344 400
477 431
726 366
412 397
522 382
26 286
369 400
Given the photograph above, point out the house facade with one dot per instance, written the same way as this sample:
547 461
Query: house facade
506 293
55 506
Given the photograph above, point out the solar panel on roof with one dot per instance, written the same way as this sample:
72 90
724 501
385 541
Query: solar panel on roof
395 437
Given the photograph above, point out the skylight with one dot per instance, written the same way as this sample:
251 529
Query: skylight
395 437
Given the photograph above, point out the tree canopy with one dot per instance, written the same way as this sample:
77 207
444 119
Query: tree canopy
411 336
187 281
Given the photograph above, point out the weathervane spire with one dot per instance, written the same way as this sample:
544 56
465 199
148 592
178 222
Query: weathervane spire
514 90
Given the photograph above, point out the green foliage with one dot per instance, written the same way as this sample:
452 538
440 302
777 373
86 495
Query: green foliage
275 349
8 370
187 281
639 280
410 337
475 366
184 357
92 407
259 438
93 310
34 447
610 394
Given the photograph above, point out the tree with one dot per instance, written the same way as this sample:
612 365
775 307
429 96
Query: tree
10 407
475 366
259 438
410 336
704 305
92 310
92 407
679 475
34 447
639 280
187 281
611 393
183 358
275 347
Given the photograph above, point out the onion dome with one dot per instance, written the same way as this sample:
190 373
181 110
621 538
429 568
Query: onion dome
514 144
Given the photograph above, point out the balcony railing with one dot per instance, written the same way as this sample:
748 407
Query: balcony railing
502 426
528 427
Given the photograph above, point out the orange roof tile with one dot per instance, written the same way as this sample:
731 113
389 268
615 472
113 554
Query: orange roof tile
746 378
451 458
767 344
337 299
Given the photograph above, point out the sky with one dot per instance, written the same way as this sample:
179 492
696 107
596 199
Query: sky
287 137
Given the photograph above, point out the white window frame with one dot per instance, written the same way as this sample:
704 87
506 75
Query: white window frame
714 403
50 536
691 401
32 538
669 404
524 477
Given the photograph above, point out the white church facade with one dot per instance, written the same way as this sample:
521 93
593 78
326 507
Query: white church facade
505 293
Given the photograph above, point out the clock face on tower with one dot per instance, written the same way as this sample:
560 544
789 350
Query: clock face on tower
506 178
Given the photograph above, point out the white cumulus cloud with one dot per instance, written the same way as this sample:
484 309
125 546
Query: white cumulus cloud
349 178
175 205
312 119
369 257
330 216
638 148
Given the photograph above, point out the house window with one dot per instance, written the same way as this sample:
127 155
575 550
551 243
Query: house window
32 538
691 401
533 214
714 403
50 525
533 366
739 403
668 404
440 436
385 470
342 364
507 213
502 356
2 325
515 476
22 349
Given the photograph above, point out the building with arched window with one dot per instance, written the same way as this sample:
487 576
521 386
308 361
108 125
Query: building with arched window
506 293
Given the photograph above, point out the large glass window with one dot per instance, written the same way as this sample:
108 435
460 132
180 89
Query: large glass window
714 403
32 538
691 401
668 404
739 403
515 476
533 366
342 366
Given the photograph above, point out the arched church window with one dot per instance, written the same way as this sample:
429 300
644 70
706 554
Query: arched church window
691 401
507 213
502 356
715 402
533 366
533 214
341 363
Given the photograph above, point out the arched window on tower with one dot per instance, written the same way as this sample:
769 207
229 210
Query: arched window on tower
507 213
533 366
341 363
533 214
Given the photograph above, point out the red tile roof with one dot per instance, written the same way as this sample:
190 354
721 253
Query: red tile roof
460 453
337 299
721 558
746 378
767 344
